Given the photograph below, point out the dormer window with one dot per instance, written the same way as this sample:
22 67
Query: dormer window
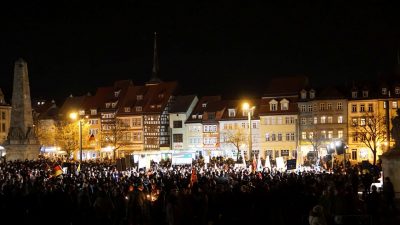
303 94
200 116
139 97
116 93
81 112
127 109
152 106
273 105
284 105
354 94
365 94
312 94
397 90
138 108
204 105
108 105
161 95
93 112
194 116
114 104
158 106
384 91
232 112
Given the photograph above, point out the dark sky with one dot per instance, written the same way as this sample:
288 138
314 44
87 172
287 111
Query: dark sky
220 48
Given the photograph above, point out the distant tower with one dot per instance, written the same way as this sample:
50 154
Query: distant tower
22 142
155 71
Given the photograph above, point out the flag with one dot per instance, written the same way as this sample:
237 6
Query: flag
259 165
243 159
193 177
254 165
57 171
78 170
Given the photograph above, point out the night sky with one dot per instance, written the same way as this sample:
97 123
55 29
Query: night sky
222 48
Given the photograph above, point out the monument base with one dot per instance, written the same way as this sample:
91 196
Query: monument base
22 152
391 168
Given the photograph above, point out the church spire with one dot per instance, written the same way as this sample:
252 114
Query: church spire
155 71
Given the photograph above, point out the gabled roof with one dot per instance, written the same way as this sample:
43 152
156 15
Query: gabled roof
265 109
200 110
71 104
182 103
237 106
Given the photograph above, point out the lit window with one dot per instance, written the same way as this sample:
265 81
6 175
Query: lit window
273 106
93 112
311 135
340 119
303 94
303 135
312 94
323 134
323 119
362 122
354 122
284 106
231 112
81 112
138 108
330 119
315 120
394 105
330 134
267 137
340 134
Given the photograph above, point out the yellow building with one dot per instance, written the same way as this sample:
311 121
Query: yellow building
366 108
278 127
5 116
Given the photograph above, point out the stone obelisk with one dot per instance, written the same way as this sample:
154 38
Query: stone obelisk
22 142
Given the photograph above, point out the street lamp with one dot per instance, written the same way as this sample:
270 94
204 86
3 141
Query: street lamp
246 107
74 116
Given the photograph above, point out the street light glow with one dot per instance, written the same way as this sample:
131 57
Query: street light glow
246 106
73 115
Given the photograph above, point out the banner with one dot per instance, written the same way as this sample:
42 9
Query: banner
291 164
280 164
268 163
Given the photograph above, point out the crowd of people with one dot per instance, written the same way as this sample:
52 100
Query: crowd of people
220 193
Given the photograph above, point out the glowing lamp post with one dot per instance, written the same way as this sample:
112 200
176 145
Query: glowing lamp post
246 108
74 116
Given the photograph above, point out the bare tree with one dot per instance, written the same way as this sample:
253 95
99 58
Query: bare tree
116 135
237 138
67 137
46 132
370 130
315 138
